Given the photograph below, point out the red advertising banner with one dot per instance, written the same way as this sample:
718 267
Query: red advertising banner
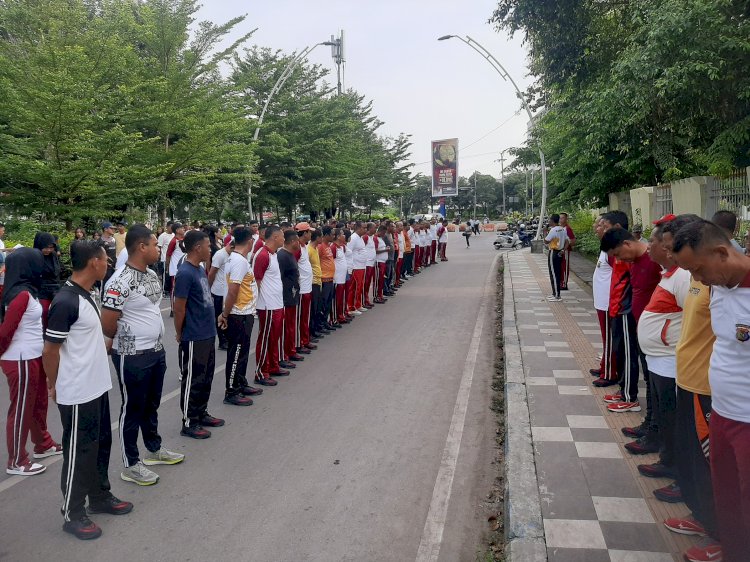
445 168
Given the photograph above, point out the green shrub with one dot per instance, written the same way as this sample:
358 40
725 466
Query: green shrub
582 223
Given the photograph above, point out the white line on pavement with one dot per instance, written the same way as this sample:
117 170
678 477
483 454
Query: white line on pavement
432 535
13 480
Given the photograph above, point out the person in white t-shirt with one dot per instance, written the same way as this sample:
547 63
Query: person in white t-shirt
704 249
433 240
217 280
442 234
424 244
270 308
359 266
370 253
304 310
163 242
75 362
556 240
602 280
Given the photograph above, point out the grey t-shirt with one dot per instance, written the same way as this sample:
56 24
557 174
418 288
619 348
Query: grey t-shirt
388 239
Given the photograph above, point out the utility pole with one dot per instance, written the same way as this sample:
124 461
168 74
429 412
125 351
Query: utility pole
532 193
337 52
502 178
474 214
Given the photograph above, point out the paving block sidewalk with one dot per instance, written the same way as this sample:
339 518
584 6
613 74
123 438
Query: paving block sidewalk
595 506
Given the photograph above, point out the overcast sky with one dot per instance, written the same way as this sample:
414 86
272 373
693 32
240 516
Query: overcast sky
429 89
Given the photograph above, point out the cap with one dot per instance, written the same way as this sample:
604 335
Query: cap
121 223
302 226
106 224
666 218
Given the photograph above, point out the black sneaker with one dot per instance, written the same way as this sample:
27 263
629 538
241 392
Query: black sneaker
83 528
111 505
237 400
196 431
643 445
266 382
287 365
207 420
247 390
635 432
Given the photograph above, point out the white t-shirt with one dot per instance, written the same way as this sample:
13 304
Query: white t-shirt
444 236
349 258
401 244
557 237
433 232
238 272
424 239
268 275
163 243
359 252
27 342
137 296
381 256
413 238
122 259
728 373
174 260
339 275
370 250
601 282
219 261
74 322
305 271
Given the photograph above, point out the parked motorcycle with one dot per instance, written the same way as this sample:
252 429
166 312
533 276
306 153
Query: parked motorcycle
507 241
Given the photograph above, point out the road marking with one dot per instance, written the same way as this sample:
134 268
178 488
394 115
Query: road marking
13 480
432 535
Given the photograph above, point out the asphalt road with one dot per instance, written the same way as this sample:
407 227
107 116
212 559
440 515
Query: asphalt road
378 447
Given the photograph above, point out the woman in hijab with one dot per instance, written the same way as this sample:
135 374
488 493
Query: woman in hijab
45 243
21 346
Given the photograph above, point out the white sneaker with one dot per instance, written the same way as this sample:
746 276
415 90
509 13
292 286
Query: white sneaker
139 474
162 456
29 469
356 313
54 450
363 309
553 298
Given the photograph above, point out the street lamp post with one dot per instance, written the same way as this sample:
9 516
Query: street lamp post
490 58
502 176
276 87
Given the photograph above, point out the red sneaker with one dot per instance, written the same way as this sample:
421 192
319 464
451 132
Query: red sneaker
612 398
624 407
707 550
687 526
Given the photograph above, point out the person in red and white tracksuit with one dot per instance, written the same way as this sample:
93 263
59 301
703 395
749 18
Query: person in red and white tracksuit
270 308
359 267
442 234
21 347
370 254
381 259
413 235
304 345
424 245
433 235
289 269
338 248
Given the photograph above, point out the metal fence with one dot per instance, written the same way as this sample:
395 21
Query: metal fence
732 193
663 200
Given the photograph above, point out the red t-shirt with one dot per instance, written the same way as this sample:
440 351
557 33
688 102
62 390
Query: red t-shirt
620 291
645 275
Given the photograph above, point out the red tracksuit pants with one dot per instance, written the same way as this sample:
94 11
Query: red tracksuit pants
380 280
303 320
433 250
288 341
441 247
270 327
27 413
417 259
369 277
356 289
399 266
339 303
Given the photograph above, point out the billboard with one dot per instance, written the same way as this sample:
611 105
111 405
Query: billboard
445 168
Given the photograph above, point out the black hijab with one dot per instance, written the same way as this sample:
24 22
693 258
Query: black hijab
23 272
52 269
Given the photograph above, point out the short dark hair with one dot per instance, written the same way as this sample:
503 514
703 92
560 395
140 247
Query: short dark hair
679 221
192 239
138 234
566 214
252 222
726 220
270 231
176 226
83 251
382 228
315 235
357 224
326 230
285 224
290 236
616 217
698 233
554 218
347 234
241 235
614 238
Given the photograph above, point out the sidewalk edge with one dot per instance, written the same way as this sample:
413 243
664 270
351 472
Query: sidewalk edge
524 526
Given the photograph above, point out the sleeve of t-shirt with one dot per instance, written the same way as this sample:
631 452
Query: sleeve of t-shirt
182 283
550 236
172 246
260 265
12 319
115 294
63 313
334 250
681 286
298 254
237 270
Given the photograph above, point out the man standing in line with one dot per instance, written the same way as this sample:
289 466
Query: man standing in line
727 221
566 254
398 240
433 240
359 267
317 330
602 281
392 243
703 249
370 265
110 247
237 319
408 252
163 242
414 237
131 317
195 331
75 361
557 241
327 271
253 226
270 308
443 239
217 280
289 271
174 257
304 344
381 264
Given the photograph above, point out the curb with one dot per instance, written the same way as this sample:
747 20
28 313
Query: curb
524 528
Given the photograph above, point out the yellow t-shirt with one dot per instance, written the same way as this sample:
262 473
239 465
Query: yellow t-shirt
119 242
315 263
696 343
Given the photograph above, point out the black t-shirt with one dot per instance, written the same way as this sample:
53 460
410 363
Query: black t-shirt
191 283
289 277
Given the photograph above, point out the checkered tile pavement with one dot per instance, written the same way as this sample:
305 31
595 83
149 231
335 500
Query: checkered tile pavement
593 506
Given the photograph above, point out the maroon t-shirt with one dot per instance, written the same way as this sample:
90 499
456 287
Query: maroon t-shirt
645 275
